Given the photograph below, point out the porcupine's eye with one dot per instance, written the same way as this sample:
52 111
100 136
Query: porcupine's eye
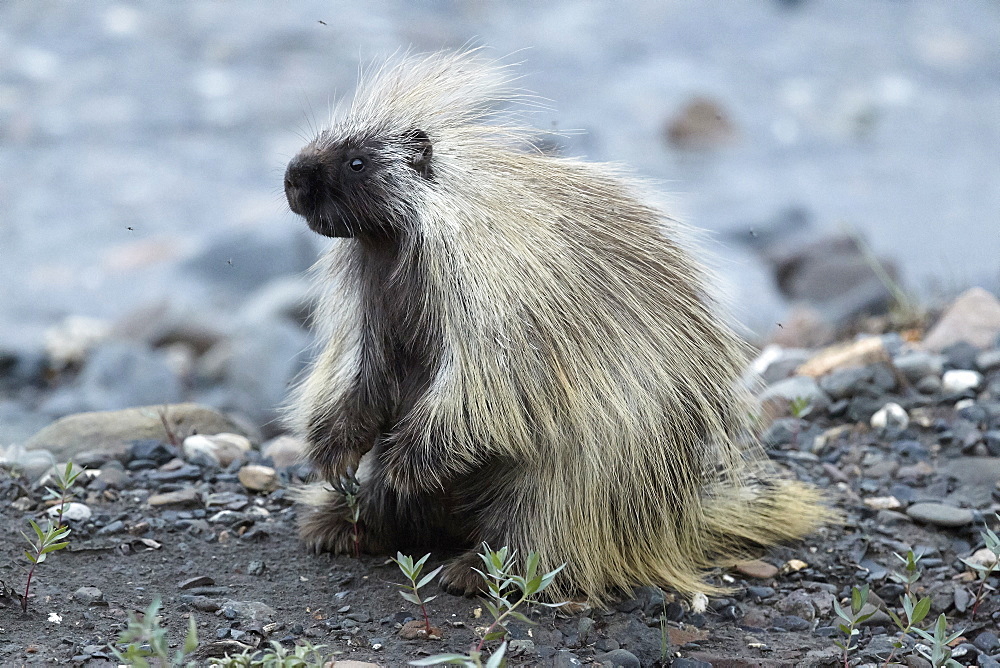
357 165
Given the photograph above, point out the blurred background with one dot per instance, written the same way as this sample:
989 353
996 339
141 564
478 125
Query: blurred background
148 255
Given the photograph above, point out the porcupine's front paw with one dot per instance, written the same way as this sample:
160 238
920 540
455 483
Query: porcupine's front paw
460 579
333 463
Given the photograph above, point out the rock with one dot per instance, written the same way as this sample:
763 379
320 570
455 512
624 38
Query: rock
781 394
974 317
701 125
284 451
619 658
682 662
197 581
757 569
890 416
151 449
287 297
957 381
88 595
255 369
248 611
843 383
222 449
961 355
69 342
855 353
565 659
233 261
33 464
165 324
883 503
940 514
988 361
73 512
117 375
114 431
181 497
916 365
987 641
259 478
798 603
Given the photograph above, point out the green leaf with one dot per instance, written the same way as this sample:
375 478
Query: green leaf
411 597
30 556
494 635
430 598
520 616
430 576
420 564
53 547
496 659
920 610
444 659
896 620
531 565
38 530
191 640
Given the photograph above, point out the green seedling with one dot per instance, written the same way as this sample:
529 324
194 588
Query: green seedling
45 541
412 572
985 571
506 592
852 619
146 642
914 610
305 655
939 653
348 486
63 492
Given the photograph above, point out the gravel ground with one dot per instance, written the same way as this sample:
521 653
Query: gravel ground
905 440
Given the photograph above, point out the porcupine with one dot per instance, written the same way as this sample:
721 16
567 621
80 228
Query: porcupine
519 349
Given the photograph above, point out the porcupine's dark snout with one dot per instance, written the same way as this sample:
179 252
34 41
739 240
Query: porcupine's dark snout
303 180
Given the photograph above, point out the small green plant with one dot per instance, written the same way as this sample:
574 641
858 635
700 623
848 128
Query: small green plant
305 655
349 487
914 610
506 592
939 653
412 572
852 619
146 641
63 492
45 541
985 571
800 407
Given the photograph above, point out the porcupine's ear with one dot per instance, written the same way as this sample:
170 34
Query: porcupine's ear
422 151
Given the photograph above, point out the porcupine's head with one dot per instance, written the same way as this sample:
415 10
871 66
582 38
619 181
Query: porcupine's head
362 176
349 186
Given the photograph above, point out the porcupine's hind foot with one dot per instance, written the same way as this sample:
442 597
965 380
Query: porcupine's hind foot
458 577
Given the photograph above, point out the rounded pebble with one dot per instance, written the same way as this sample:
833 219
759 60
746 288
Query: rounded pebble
890 416
957 381
940 514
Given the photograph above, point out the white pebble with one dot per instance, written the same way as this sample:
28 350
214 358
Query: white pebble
74 512
960 380
890 416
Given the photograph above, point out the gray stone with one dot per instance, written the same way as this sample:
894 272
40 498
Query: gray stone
88 595
919 364
117 375
565 659
257 366
252 611
844 383
113 431
797 387
974 317
988 361
940 514
619 658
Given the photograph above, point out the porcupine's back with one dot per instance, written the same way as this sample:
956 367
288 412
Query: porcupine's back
576 339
